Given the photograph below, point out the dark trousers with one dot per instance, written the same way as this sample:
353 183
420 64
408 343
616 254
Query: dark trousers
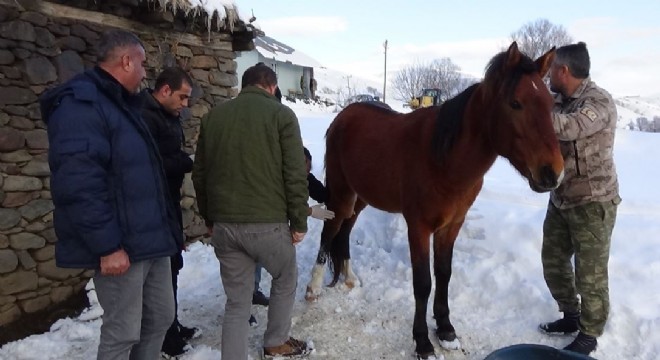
176 262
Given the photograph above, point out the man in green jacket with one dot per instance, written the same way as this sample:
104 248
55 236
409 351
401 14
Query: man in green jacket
250 179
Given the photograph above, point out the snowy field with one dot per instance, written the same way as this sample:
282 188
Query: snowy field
497 295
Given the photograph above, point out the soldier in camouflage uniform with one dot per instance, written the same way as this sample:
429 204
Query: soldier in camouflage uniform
582 210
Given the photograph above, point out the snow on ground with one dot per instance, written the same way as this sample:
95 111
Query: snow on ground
497 295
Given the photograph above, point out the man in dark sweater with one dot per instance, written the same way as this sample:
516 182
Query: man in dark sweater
161 112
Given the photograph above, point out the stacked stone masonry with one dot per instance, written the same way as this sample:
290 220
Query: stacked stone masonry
36 53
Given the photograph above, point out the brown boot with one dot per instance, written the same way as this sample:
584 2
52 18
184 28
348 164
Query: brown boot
291 349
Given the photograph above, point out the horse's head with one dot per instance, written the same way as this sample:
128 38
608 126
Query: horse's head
521 129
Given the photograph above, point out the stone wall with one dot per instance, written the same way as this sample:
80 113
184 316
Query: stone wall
36 53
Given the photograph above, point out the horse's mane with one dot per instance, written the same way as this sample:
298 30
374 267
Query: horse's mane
450 116
494 79
448 123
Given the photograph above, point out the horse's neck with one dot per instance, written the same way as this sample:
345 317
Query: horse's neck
473 153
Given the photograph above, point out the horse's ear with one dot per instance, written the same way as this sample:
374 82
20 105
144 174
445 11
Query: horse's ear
544 61
512 56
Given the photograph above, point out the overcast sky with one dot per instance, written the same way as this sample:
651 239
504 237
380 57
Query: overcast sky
623 36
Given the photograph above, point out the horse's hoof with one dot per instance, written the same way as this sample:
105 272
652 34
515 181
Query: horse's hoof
333 283
350 284
310 295
446 335
426 356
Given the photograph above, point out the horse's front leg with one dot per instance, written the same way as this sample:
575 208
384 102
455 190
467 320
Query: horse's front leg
443 248
418 240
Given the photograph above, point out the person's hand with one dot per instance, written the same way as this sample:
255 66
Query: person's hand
318 212
297 237
115 264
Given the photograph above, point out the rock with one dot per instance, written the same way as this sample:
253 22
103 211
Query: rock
34 18
39 70
29 46
11 72
49 235
34 113
26 260
183 51
6 57
12 95
35 227
4 118
60 294
10 315
200 75
36 168
16 199
37 139
26 240
17 30
8 261
19 122
49 270
203 62
72 43
44 38
36 304
199 110
228 67
16 156
22 53
7 299
4 241
222 79
22 183
59 29
45 253
17 282
36 208
9 218
82 31
16 110
68 64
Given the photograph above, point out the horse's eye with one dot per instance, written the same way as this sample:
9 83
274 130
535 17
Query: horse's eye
515 105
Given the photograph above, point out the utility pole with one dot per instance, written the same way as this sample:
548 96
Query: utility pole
385 71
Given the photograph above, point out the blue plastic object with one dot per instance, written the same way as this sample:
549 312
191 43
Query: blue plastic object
534 352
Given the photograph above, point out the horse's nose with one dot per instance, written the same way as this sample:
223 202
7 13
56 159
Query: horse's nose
548 179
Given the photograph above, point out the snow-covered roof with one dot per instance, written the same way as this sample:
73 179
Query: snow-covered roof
225 10
273 49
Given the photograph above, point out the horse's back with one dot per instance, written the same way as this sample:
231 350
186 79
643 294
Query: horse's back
371 149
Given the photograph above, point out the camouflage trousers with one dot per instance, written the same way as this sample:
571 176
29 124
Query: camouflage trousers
584 231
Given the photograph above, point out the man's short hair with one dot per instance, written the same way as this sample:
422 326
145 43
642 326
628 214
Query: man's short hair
260 74
576 58
113 39
174 77
308 155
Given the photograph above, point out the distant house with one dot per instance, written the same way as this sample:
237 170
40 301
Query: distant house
289 64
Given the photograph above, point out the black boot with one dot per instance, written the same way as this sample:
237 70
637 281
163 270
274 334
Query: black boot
583 344
174 346
567 325
258 298
188 333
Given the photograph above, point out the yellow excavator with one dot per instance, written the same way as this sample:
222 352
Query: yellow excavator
429 97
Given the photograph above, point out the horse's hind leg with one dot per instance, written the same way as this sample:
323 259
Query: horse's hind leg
443 248
342 203
340 251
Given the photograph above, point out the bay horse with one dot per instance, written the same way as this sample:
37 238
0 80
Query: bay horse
429 165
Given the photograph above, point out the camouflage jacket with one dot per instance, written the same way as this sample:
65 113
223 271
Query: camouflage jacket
585 124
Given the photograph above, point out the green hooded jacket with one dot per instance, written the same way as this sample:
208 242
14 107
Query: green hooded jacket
249 164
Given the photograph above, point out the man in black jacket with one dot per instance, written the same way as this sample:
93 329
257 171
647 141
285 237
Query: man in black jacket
161 112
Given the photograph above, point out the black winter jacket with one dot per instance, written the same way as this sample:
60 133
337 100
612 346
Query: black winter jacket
166 130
